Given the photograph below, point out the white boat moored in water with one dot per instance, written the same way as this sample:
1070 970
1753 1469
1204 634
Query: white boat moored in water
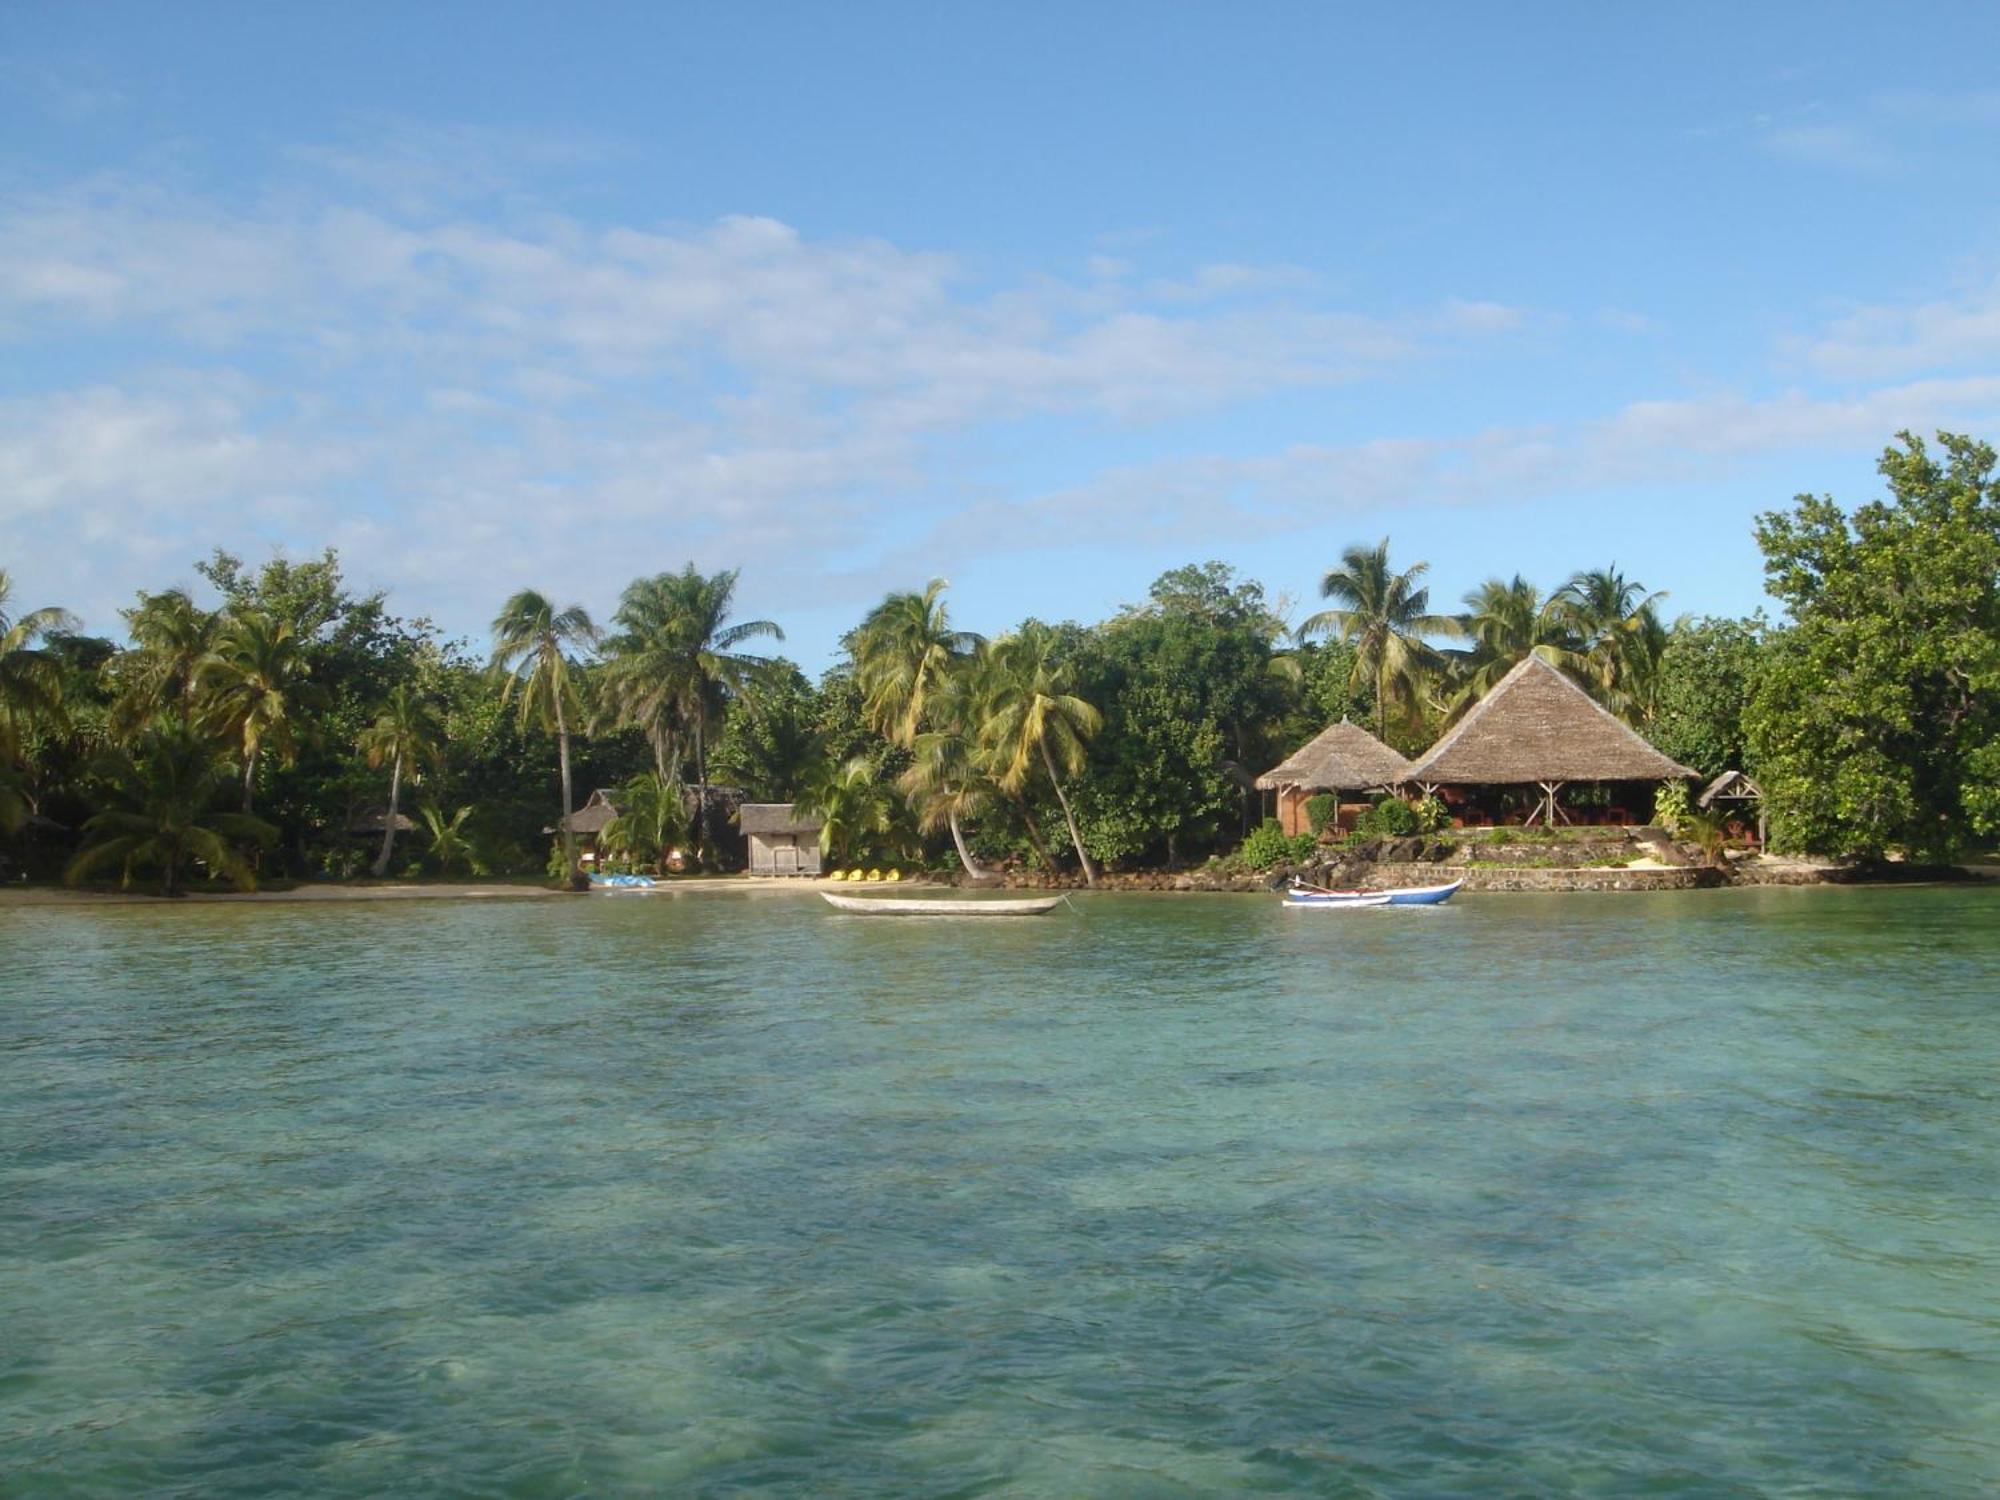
919 906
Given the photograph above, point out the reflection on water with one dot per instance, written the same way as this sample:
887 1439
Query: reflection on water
708 1193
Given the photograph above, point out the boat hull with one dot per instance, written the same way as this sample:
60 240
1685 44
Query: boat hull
1420 895
882 906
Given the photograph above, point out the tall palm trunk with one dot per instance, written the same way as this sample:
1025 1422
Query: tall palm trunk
1075 837
249 780
701 786
964 854
389 823
562 755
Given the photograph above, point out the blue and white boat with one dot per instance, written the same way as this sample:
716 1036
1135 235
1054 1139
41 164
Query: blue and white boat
1414 895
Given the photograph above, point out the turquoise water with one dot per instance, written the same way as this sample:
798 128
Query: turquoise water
713 1194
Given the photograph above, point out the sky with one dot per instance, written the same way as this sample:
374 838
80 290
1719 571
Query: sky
1040 299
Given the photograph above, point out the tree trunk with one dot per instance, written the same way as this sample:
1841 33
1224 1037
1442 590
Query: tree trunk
1035 832
389 823
701 785
249 781
1076 838
562 754
964 854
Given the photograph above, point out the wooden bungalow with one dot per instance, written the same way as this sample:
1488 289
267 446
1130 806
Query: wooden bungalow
1345 760
1538 732
780 844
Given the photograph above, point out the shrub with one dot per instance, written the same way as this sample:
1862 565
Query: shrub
1671 808
1391 818
1270 845
1432 814
1320 810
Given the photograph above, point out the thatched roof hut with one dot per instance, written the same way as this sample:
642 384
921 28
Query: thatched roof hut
1343 757
780 842
372 820
1730 786
589 819
1539 728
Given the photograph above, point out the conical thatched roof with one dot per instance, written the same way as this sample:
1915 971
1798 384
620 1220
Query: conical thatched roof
1537 725
1342 757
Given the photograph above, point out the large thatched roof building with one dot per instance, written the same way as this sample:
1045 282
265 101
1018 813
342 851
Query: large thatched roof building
1343 757
1537 728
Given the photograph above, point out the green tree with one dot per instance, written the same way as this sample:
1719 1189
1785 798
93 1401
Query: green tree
649 821
172 637
861 819
1508 621
1034 721
252 685
164 813
770 746
449 843
1706 677
1384 615
408 736
30 676
678 663
1192 711
1619 638
910 666
532 642
1876 714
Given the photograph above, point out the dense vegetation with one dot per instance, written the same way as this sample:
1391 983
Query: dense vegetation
281 728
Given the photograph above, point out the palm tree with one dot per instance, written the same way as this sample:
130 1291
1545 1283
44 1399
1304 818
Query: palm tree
1384 615
171 637
905 652
449 843
532 640
910 665
30 678
676 664
1615 621
1032 716
165 794
252 683
857 814
648 823
1508 621
406 734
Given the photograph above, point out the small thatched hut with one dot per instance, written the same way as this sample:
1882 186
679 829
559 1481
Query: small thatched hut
1735 793
588 821
1537 729
1343 757
372 821
780 844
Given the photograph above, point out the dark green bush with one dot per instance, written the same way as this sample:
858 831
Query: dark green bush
1270 845
1320 810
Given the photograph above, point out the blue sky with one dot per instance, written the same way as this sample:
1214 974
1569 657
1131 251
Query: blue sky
1041 299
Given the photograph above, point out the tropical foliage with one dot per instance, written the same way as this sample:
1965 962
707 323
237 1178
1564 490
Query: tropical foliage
1869 709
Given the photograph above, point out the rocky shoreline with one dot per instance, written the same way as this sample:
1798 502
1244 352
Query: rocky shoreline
1612 859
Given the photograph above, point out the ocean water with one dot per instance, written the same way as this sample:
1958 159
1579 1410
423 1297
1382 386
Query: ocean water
725 1194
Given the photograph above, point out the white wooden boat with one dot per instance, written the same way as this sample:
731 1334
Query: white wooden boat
1416 895
919 906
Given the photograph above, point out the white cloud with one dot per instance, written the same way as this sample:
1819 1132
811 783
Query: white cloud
1850 148
1888 340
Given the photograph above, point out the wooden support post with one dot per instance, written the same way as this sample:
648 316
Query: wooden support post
1554 811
